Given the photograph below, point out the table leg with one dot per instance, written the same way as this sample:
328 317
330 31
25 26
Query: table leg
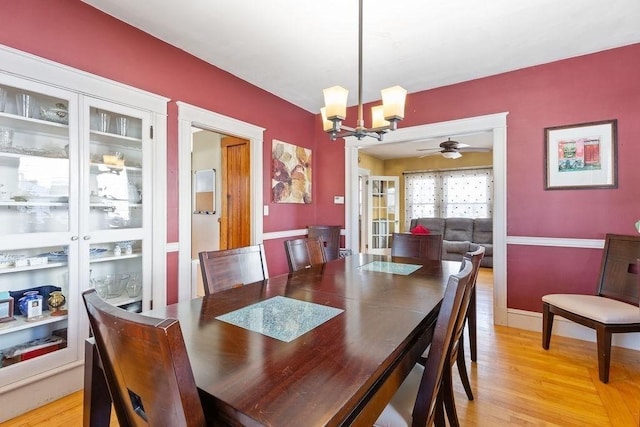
96 411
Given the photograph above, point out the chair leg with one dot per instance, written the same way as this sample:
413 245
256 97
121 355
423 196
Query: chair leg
471 319
439 420
603 338
547 325
462 368
448 397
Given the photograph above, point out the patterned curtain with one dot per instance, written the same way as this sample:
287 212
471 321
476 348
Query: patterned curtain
462 193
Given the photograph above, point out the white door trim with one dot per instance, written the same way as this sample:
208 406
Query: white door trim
495 123
188 116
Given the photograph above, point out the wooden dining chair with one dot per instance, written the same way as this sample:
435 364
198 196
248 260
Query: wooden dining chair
229 268
614 308
477 255
422 397
422 246
303 253
146 366
329 235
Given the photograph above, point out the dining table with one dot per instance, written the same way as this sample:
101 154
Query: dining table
324 346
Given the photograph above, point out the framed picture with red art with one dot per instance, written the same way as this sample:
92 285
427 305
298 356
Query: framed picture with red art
581 156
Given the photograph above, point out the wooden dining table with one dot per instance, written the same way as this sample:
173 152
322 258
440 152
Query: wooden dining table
328 345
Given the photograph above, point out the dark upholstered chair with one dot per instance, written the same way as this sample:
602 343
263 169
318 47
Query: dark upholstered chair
421 398
329 235
614 309
232 267
304 252
422 246
146 366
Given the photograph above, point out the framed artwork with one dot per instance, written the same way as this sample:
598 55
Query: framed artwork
581 156
290 173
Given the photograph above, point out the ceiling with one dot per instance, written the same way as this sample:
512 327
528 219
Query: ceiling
295 48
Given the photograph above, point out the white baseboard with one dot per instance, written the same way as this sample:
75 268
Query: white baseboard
532 321
25 398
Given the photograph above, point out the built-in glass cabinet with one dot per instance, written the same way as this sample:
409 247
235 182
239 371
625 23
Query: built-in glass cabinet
74 213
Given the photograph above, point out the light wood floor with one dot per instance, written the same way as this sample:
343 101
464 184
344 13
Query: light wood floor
515 382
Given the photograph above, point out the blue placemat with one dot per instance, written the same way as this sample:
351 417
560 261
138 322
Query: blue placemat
390 267
281 318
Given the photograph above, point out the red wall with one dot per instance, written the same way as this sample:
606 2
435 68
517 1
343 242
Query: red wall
589 88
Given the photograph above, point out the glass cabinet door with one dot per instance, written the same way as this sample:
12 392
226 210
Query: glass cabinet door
38 228
35 171
115 176
116 220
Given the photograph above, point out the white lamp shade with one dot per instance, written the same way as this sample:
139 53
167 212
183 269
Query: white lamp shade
377 117
327 125
335 102
393 99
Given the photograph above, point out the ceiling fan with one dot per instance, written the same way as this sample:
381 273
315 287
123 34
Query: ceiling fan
448 149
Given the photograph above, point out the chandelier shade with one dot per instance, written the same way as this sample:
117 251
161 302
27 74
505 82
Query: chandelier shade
384 118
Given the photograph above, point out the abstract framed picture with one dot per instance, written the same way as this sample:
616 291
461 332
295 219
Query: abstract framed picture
290 173
581 156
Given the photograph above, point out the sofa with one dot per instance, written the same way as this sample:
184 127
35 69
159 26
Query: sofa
461 235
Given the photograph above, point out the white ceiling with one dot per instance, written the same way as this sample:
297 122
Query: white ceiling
295 48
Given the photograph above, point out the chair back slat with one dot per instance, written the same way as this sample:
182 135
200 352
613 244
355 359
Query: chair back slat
146 366
304 252
229 268
449 321
422 246
329 235
618 276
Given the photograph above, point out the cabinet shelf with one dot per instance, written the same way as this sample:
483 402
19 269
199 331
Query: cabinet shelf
21 323
111 257
114 140
30 125
32 267
33 204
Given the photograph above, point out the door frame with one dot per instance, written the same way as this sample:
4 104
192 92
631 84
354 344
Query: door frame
191 116
495 123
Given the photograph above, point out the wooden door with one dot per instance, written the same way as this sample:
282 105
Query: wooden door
235 216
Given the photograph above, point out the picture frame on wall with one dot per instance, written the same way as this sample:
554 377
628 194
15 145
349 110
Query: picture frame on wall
581 156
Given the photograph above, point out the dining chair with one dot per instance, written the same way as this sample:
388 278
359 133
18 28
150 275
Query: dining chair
329 235
614 308
457 348
146 366
423 246
230 268
304 253
475 256
421 399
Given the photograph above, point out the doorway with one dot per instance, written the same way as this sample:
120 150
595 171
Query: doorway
494 123
194 117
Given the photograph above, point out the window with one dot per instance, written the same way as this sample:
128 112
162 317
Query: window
463 193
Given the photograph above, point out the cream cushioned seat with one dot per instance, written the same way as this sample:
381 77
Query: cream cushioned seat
601 309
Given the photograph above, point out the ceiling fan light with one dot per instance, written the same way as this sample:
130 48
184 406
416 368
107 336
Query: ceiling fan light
393 100
335 102
451 154
377 117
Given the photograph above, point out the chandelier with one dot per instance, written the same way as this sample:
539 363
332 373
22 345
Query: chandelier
384 118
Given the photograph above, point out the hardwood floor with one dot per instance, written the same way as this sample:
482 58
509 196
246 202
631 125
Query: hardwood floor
515 382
